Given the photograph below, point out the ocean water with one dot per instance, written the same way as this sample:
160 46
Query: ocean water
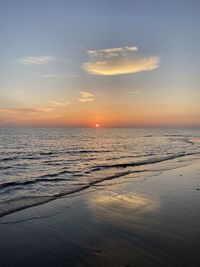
38 165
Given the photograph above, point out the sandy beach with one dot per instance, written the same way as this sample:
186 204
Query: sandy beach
146 221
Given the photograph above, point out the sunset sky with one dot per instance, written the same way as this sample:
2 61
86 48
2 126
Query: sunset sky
116 63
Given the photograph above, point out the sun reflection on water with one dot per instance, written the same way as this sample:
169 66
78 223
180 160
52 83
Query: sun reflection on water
121 202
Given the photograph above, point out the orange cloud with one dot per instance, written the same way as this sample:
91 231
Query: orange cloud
118 61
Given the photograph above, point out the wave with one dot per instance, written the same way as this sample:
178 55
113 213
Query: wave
14 184
75 151
143 162
43 178
38 156
54 174
27 202
174 135
49 177
22 203
48 153
5 167
19 158
131 156
9 158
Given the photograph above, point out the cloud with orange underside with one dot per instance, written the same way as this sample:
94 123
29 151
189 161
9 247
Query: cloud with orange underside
118 61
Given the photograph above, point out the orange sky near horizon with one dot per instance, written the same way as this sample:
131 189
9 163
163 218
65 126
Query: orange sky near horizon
106 114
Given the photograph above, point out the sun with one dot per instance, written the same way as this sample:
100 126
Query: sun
97 125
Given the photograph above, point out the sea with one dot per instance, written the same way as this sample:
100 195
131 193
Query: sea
38 165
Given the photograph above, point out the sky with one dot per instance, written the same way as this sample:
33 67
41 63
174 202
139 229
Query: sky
116 63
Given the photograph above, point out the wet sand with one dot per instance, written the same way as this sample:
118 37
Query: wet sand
146 221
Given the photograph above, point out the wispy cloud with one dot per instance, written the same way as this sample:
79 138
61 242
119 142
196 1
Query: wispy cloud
55 75
112 52
28 111
85 96
117 61
58 103
134 92
42 60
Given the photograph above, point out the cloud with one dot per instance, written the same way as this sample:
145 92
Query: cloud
85 97
30 111
58 104
85 94
134 92
117 61
85 100
109 52
54 75
42 60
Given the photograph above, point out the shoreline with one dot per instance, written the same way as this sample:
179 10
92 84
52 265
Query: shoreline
120 174
146 221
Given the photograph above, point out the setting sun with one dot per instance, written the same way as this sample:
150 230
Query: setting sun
97 125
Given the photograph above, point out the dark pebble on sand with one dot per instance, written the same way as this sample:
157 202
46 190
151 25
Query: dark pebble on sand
98 251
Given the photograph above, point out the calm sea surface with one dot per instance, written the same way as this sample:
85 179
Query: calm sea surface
38 165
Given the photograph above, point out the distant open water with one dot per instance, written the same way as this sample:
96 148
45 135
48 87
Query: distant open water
38 165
